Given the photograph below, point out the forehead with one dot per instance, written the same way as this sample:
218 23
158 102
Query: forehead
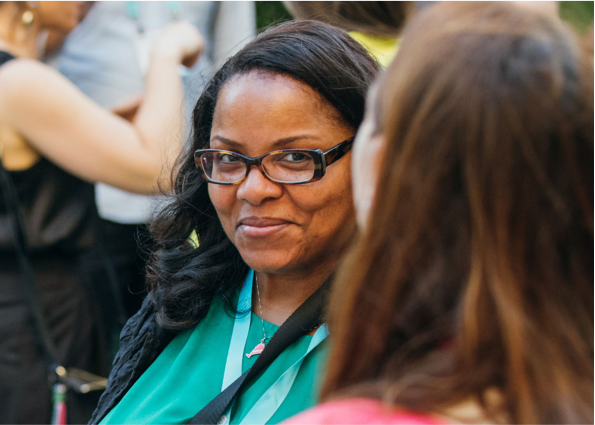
257 109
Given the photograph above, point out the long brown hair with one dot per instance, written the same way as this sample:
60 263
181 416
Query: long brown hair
378 18
476 270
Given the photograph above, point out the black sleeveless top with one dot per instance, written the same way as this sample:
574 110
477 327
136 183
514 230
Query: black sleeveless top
59 219
58 209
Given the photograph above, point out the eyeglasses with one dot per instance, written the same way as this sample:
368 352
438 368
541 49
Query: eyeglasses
287 166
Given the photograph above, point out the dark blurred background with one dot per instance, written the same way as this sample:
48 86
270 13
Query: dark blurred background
270 12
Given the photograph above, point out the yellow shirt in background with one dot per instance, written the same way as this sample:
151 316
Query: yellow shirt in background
381 48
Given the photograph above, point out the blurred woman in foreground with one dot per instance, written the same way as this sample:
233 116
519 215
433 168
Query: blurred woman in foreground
469 296
54 142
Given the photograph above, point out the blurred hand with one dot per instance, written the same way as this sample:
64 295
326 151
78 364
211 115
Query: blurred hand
128 108
181 40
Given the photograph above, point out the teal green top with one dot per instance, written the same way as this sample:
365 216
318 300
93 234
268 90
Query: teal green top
188 374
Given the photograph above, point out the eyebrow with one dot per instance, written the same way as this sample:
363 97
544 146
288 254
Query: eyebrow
279 144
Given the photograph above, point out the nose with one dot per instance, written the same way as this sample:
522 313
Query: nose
257 188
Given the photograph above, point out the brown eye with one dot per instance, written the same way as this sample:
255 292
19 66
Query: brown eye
295 157
228 159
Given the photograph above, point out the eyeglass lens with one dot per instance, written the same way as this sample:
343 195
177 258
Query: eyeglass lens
288 167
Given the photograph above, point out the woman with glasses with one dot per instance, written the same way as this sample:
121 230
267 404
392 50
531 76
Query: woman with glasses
266 186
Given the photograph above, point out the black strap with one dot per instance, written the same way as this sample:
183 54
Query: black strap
22 251
11 202
307 317
76 379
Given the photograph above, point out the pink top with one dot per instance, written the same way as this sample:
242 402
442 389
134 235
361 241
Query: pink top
360 411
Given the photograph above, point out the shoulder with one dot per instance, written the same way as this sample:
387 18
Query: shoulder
361 411
26 79
22 71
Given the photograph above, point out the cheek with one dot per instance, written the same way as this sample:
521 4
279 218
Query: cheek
361 159
362 176
330 207
63 17
357 177
223 199
365 175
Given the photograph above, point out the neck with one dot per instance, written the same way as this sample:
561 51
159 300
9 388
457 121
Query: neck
282 294
15 37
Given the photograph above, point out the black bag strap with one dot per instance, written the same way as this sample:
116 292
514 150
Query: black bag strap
78 380
307 317
22 251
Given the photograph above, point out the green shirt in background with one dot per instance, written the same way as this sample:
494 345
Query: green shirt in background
188 374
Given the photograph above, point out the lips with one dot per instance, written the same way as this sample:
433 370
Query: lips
261 226
261 221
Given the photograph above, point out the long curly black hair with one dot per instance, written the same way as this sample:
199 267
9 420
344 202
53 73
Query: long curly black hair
184 278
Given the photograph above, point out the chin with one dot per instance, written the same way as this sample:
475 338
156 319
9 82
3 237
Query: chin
267 261
71 25
68 22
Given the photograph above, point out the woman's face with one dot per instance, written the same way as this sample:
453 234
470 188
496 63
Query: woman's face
279 228
62 16
367 160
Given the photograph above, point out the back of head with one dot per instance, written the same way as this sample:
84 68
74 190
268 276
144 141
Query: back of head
380 18
476 271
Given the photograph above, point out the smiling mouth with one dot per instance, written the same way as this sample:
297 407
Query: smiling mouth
261 227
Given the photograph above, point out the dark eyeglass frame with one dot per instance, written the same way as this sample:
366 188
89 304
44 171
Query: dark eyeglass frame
321 161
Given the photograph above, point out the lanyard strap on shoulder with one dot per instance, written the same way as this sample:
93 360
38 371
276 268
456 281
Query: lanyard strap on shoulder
307 317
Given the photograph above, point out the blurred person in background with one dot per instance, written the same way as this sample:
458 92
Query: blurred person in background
469 295
376 25
266 186
55 142
107 58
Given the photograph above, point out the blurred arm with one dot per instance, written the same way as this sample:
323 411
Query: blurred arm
234 27
62 124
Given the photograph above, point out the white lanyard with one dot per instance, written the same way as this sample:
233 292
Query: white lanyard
269 402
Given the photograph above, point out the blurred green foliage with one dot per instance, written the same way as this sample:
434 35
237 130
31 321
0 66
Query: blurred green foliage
578 13
270 12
